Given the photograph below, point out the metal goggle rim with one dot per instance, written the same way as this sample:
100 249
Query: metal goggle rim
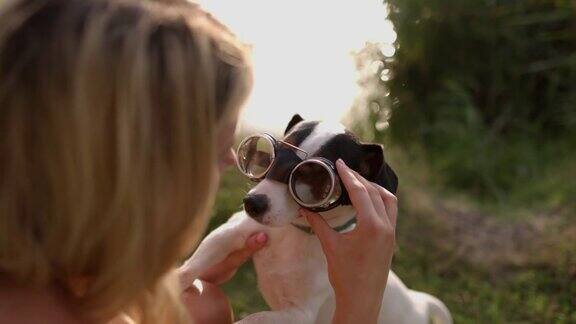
324 203
274 143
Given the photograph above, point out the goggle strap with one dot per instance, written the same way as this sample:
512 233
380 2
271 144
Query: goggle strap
295 148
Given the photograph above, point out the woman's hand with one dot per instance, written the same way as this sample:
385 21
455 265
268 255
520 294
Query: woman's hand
225 270
359 260
205 301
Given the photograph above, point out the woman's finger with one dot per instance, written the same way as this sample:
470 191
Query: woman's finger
358 193
225 269
256 242
391 204
253 244
375 196
325 233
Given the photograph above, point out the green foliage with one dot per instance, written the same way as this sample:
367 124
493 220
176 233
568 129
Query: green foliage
532 293
538 293
486 89
482 99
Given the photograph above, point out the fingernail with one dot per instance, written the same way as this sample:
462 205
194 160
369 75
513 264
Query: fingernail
261 238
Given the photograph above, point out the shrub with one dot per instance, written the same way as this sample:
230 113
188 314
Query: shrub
487 89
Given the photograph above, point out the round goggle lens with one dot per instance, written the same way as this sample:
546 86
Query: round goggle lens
255 156
311 183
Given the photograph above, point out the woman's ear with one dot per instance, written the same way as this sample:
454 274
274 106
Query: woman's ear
295 120
375 169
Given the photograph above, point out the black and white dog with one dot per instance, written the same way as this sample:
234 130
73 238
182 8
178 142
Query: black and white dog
292 270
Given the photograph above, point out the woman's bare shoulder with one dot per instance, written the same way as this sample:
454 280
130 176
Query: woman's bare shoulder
23 305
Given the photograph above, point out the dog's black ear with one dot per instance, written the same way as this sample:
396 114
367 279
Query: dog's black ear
374 168
295 120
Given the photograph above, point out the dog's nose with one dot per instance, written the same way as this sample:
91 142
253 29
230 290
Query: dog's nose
255 205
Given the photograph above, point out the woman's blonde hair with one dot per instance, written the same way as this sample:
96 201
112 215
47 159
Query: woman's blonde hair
108 116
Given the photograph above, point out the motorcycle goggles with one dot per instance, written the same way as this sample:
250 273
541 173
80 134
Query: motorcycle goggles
313 182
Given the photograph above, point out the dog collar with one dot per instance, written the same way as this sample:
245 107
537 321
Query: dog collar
339 229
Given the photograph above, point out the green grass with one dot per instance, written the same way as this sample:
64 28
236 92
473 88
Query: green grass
532 293
428 258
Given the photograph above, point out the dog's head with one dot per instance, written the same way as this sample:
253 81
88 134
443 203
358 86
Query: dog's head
270 202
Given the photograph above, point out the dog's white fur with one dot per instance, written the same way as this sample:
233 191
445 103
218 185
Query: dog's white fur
292 270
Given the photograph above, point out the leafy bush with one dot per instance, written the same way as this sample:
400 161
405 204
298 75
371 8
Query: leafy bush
486 89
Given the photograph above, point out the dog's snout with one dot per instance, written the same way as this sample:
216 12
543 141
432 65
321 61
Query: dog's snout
256 205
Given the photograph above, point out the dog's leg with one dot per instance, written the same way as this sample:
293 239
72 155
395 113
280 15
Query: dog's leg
215 247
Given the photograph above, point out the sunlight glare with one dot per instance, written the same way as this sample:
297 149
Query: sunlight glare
302 53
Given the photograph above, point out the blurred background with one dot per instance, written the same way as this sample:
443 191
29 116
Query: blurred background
475 102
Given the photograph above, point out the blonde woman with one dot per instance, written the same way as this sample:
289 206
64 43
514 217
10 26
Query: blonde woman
116 118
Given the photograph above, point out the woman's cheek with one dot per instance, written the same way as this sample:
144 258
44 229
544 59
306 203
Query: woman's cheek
217 176
227 160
